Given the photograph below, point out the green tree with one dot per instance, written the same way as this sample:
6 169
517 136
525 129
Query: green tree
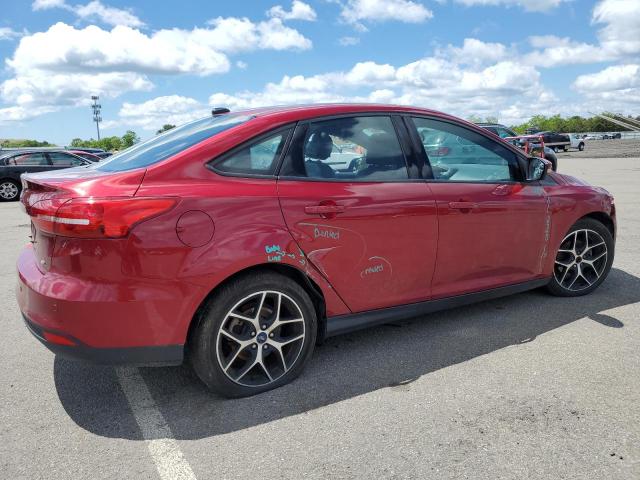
129 138
165 127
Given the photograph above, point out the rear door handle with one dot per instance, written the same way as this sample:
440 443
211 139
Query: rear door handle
323 209
462 205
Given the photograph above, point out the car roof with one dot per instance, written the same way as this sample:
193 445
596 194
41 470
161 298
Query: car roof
305 111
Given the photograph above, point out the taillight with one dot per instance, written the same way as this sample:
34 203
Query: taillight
95 217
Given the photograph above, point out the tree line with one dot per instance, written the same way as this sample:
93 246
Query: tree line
556 123
109 144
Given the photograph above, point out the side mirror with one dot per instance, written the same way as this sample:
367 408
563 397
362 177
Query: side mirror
537 169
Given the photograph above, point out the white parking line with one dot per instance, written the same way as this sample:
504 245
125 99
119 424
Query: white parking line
164 449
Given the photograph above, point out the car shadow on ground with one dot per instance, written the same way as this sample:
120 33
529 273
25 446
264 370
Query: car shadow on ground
343 367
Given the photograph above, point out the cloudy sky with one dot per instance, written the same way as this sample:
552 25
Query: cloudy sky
155 62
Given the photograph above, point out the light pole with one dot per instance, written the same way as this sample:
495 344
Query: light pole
96 113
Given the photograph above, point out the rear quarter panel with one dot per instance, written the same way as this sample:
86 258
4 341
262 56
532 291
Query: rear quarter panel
249 230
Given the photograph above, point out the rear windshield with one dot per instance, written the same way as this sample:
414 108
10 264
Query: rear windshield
173 141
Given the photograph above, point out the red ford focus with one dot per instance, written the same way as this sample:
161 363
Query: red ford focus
243 239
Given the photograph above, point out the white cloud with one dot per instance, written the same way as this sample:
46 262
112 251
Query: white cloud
152 114
64 65
356 12
7 33
299 11
68 89
46 4
348 41
619 38
617 77
530 5
621 33
447 84
614 88
474 51
94 10
554 51
107 15
64 48
18 113
232 35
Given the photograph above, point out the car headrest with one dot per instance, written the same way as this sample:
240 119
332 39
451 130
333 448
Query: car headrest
319 146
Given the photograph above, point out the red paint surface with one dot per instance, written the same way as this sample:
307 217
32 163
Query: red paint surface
388 243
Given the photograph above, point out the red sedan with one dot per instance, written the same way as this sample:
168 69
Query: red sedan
243 239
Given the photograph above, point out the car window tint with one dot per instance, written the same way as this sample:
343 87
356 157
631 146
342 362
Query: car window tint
258 158
59 159
458 154
28 159
358 149
169 143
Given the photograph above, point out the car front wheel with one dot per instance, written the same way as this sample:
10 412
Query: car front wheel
255 334
583 260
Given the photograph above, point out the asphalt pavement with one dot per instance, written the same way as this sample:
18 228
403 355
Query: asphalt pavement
528 386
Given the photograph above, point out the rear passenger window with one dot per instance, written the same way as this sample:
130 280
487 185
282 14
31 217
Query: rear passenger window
28 159
259 158
357 149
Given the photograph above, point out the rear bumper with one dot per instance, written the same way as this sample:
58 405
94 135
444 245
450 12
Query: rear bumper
141 356
93 321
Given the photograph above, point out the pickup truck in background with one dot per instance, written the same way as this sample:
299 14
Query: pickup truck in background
577 141
555 141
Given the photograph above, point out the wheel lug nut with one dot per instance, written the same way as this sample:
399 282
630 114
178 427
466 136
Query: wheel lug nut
271 335
253 334
254 346
264 327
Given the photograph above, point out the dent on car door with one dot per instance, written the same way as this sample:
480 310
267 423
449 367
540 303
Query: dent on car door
493 227
370 230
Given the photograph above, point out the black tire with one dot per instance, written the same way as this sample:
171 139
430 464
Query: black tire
9 190
586 224
564 148
205 341
581 146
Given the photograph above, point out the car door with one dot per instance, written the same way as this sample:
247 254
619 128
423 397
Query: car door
493 227
370 230
28 162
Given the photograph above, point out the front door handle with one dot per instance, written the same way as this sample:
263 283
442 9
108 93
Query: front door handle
324 209
462 205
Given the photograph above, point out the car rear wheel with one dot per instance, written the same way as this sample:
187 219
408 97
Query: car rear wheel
255 334
583 260
581 147
9 190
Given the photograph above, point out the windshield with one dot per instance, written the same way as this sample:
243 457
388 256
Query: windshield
169 143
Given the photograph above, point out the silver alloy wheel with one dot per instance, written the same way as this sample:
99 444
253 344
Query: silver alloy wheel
260 338
8 190
581 260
